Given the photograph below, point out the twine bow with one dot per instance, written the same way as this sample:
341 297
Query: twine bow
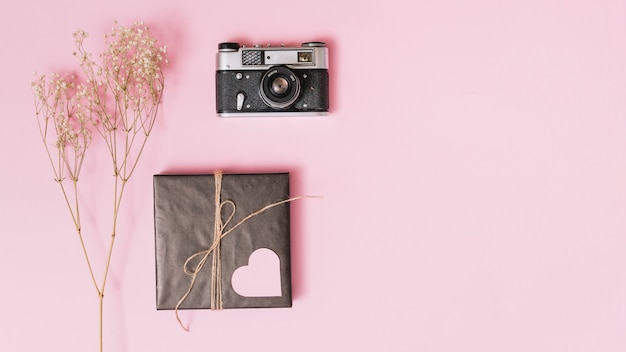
218 235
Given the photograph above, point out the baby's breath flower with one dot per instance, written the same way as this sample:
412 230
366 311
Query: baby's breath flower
64 119
118 99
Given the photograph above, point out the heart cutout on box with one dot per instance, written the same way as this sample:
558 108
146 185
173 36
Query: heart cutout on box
261 277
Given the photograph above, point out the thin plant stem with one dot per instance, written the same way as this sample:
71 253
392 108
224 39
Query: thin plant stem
100 321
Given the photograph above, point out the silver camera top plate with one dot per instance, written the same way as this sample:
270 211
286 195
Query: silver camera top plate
232 56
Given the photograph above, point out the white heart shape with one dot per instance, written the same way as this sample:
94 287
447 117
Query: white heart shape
261 277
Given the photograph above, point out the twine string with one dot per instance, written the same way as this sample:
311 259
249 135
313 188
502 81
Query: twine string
216 268
218 235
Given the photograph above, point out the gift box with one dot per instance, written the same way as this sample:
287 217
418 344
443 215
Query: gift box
254 252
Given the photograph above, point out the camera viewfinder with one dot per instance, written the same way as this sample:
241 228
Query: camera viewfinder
305 56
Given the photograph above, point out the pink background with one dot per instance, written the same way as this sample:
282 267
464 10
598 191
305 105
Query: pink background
473 169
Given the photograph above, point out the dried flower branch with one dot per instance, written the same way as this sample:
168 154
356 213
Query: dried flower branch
118 99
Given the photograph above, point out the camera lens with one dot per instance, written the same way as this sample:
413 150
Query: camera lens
279 87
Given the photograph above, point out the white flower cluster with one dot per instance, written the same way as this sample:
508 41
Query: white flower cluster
64 109
119 95
130 71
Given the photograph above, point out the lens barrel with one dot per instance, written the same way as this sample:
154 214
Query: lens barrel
279 87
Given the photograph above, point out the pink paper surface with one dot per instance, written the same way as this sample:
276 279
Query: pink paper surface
472 168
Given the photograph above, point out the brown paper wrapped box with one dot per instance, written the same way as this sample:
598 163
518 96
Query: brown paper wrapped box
184 212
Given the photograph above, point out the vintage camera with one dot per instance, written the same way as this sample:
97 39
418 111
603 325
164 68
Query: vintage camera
267 80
